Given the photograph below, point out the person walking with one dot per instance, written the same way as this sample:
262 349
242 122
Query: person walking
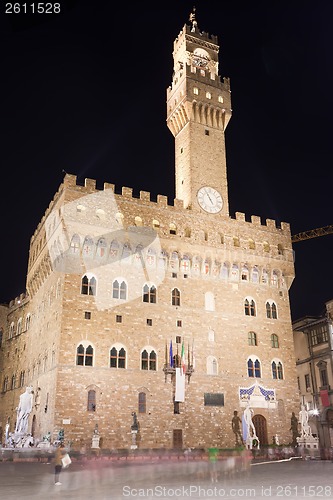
59 453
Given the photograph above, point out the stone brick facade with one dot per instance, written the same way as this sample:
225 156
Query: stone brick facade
211 280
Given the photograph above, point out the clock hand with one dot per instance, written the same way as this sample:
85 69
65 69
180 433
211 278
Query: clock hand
210 199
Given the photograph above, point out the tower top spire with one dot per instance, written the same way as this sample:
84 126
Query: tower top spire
193 20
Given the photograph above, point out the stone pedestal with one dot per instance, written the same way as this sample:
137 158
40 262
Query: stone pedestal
134 435
309 446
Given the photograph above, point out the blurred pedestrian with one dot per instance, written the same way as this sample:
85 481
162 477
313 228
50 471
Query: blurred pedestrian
59 453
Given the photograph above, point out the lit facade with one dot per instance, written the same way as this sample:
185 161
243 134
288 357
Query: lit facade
113 279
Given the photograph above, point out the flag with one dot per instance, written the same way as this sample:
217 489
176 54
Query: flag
171 355
193 355
180 386
183 360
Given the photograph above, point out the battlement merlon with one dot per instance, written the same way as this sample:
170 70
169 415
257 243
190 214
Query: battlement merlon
187 73
198 36
70 182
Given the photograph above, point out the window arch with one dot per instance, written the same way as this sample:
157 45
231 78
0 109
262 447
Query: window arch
88 284
266 246
255 274
75 244
119 289
212 365
271 311
91 400
5 384
252 338
11 330
138 221
149 294
185 264
245 273
253 367
148 359
234 273
277 369
85 355
173 228
274 340
117 357
142 402
88 247
19 327
22 377
175 297
280 249
274 278
101 248
264 277
114 249
224 273
249 307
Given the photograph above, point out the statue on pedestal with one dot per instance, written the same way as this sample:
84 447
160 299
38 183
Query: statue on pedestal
249 430
23 411
96 438
236 429
294 428
134 430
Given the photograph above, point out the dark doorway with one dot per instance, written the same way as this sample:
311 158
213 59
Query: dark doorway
260 424
177 438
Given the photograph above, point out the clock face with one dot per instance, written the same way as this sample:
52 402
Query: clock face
210 200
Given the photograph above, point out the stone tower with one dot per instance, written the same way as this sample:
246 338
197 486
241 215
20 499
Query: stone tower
125 295
198 112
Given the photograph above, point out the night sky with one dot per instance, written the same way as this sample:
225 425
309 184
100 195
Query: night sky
84 91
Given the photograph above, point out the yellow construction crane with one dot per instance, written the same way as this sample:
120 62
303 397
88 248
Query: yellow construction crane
313 233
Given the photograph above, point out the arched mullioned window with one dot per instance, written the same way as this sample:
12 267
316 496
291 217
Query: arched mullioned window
271 311
119 289
117 358
11 330
148 360
249 307
91 400
175 297
253 368
274 340
149 294
19 327
142 402
22 377
277 370
88 285
84 355
1 336
5 384
252 338
13 382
